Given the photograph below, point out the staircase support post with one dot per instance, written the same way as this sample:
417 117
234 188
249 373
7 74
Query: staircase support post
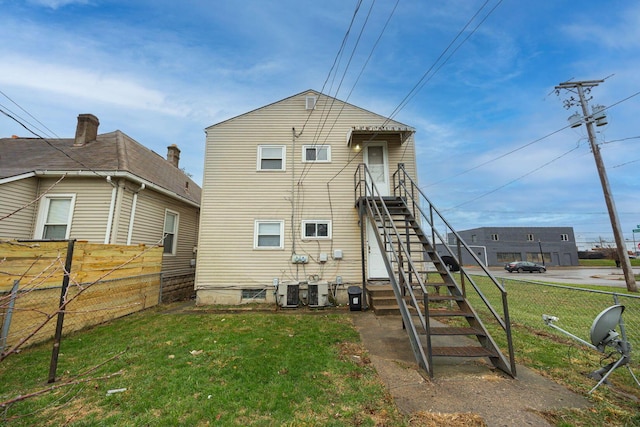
364 297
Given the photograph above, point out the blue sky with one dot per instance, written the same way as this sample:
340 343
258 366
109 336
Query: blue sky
161 71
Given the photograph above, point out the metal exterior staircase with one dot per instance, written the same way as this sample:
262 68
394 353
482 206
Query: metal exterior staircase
432 300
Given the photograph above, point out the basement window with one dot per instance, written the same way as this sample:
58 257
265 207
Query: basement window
253 294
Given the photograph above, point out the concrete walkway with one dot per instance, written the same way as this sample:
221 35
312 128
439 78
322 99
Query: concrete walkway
459 385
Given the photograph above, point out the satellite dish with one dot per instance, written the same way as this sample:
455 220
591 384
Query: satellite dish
603 334
604 325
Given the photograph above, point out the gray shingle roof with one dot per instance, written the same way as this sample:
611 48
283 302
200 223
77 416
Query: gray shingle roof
110 152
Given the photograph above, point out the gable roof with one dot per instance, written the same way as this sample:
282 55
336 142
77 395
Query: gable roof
112 153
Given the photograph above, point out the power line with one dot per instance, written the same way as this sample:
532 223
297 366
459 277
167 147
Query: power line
514 180
29 114
49 143
406 99
375 45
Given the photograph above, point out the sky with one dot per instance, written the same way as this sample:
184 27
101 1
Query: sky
475 78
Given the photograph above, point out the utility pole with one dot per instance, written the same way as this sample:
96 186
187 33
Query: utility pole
581 88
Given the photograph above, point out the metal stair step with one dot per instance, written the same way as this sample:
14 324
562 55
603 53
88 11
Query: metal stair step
443 312
435 298
464 351
450 330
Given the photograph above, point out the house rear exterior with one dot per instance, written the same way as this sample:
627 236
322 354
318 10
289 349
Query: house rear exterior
278 203
103 188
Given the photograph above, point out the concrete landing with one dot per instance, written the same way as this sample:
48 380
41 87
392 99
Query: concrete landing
459 385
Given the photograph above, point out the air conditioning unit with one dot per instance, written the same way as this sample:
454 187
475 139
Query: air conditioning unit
318 294
288 295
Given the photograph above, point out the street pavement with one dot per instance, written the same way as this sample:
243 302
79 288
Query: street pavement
602 276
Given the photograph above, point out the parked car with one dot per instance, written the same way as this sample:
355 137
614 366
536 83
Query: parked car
451 263
522 266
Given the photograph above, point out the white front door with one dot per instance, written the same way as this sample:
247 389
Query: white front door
375 261
376 159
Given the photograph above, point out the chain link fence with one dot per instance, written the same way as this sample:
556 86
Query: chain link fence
575 308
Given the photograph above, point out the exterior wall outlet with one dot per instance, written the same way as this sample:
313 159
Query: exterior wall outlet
337 254
323 257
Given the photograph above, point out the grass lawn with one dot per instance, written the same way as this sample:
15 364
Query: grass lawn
204 369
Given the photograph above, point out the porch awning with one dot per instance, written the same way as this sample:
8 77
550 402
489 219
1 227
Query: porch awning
373 131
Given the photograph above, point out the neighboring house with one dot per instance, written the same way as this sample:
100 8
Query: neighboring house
103 188
278 201
500 245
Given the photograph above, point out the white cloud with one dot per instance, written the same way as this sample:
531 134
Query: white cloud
56 4
66 81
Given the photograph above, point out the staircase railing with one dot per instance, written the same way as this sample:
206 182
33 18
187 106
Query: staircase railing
423 210
403 280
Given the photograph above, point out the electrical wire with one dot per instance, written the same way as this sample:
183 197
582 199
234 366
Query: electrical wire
45 140
30 115
512 181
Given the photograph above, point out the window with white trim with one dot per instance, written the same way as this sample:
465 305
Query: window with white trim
54 218
494 237
530 237
564 237
316 230
268 234
271 157
316 153
170 235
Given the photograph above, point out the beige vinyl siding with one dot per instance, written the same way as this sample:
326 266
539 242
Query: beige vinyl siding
149 225
91 209
15 195
235 195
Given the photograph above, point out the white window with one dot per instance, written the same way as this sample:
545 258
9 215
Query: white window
530 237
316 153
494 237
54 218
170 240
316 229
271 157
268 234
564 237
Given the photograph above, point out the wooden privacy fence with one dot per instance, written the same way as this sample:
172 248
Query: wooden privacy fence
105 282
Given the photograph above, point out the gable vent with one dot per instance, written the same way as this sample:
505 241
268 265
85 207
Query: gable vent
311 102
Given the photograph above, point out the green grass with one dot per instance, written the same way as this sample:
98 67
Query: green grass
563 359
605 262
202 369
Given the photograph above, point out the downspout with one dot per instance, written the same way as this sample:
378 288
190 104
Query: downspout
112 206
118 210
133 212
293 201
